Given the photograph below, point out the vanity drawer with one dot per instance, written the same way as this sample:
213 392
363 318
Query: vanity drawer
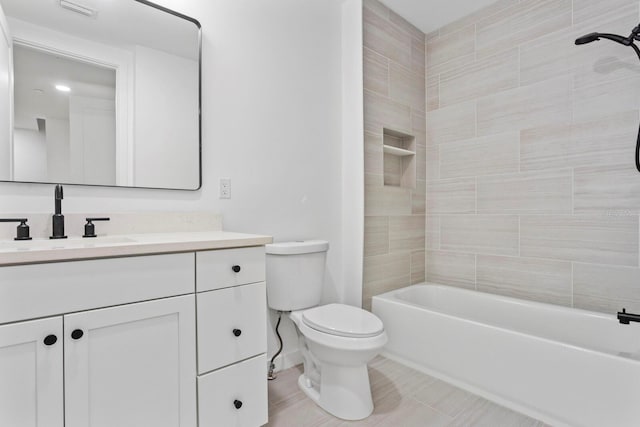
215 269
221 392
231 325
40 290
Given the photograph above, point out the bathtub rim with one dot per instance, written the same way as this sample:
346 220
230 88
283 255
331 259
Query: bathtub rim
390 297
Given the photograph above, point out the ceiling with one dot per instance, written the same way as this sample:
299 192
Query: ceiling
429 15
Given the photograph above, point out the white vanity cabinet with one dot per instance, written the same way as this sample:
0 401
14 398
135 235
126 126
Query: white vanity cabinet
232 338
31 376
112 342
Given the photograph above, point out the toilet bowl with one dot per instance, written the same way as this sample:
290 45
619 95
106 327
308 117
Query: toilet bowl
336 340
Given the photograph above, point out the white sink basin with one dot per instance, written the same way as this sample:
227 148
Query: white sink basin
52 244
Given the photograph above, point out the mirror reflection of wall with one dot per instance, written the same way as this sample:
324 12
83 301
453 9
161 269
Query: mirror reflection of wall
105 94
64 119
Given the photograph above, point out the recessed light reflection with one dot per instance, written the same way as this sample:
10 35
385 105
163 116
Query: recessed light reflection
63 88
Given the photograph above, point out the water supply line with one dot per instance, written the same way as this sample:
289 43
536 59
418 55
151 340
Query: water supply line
272 366
626 41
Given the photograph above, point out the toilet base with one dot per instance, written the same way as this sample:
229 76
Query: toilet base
344 392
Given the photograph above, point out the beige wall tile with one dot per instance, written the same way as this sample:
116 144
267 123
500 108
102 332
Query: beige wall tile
433 163
406 233
495 154
376 7
525 193
449 268
386 38
451 123
433 232
584 238
433 92
451 196
526 278
372 179
432 35
608 189
386 201
419 56
376 235
421 165
484 77
545 103
417 267
482 234
556 54
606 98
376 72
383 273
373 153
588 10
419 125
451 46
419 198
458 63
474 17
392 169
407 87
603 140
606 288
380 112
512 26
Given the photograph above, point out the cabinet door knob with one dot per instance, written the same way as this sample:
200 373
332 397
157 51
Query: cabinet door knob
236 269
237 403
237 332
77 334
50 340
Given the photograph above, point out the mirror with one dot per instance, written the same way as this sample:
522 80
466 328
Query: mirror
99 92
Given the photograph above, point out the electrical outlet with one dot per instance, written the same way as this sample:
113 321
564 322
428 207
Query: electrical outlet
225 188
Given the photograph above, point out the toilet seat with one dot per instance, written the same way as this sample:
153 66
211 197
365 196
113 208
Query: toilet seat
343 321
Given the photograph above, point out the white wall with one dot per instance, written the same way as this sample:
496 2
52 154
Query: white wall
30 155
272 122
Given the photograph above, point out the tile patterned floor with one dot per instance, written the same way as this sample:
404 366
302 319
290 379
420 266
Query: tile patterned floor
402 397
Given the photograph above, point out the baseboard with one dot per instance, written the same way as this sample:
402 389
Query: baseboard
287 360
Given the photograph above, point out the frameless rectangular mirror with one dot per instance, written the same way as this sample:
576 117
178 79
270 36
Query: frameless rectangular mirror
99 92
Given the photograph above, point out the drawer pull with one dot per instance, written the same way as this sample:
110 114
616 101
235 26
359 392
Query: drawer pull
237 403
50 340
237 333
77 334
236 268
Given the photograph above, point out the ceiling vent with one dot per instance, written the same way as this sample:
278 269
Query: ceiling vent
78 8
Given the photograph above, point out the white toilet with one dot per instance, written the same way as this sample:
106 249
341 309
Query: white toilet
336 340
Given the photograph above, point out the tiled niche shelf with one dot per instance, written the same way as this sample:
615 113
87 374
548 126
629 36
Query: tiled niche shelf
399 159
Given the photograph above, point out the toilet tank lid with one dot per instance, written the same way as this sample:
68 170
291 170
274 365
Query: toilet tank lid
299 247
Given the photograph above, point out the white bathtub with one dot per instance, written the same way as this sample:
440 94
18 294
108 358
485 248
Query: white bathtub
564 366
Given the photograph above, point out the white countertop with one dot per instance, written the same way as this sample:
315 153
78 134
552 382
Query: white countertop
72 249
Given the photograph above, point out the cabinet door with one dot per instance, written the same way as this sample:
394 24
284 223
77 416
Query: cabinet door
31 374
132 365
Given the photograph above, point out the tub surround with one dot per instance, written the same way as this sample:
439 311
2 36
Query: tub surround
564 366
531 186
394 151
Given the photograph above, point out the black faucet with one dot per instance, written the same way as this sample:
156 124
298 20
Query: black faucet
58 218
625 317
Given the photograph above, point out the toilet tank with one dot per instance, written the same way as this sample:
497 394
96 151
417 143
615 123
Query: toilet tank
295 274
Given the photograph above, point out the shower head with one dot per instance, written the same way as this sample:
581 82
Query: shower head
597 36
587 38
